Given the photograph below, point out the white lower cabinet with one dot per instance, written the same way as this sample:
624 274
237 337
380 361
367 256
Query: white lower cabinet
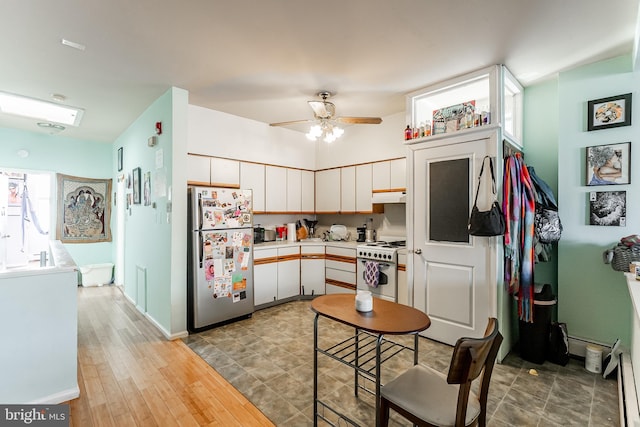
312 270
288 272
340 269
265 275
276 273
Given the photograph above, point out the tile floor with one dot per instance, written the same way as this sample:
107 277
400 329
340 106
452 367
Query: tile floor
269 358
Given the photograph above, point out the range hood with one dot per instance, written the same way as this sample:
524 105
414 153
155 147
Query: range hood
389 197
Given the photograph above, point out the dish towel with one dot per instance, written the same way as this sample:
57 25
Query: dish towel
371 273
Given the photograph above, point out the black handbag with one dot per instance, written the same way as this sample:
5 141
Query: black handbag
491 222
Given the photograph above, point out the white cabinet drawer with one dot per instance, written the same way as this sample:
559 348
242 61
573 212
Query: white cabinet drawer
312 249
265 253
341 251
341 276
338 265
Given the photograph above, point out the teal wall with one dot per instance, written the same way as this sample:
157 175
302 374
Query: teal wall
541 152
58 154
594 300
152 234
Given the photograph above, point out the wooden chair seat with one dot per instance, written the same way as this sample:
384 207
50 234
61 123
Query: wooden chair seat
428 398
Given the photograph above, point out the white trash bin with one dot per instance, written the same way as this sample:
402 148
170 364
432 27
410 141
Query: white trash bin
593 359
96 274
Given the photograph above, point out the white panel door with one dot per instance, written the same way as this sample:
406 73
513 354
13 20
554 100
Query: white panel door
454 273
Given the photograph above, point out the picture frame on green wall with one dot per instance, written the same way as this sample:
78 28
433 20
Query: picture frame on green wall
608 164
610 112
137 172
608 208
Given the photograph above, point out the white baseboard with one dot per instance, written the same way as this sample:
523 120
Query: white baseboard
167 335
60 397
578 346
163 331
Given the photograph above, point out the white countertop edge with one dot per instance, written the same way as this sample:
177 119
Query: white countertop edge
634 291
284 244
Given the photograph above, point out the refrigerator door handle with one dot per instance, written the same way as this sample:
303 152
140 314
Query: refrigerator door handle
200 214
200 247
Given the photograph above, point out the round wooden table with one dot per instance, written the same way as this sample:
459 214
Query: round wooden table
386 318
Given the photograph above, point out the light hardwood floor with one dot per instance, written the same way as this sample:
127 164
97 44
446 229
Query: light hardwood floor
130 375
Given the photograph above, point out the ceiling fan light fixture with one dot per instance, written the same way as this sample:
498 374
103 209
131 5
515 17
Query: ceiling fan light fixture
315 132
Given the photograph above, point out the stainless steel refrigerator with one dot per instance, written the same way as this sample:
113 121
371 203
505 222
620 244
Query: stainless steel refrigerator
219 256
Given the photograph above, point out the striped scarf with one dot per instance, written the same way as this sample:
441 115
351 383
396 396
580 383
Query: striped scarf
518 206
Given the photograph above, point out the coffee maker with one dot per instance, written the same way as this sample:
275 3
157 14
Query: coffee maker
311 225
362 233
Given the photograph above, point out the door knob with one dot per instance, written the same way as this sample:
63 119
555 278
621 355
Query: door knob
418 251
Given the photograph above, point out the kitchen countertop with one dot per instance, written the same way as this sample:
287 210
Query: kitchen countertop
286 243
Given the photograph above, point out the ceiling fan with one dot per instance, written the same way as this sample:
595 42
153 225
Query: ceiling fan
324 111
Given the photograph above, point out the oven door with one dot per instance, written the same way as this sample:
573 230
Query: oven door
387 280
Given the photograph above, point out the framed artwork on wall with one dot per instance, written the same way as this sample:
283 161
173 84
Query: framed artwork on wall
608 164
611 112
136 186
608 208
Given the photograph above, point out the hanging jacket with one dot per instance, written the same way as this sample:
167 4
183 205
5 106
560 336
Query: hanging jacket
518 206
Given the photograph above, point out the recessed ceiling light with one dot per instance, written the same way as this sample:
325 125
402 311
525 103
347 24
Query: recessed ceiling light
38 109
73 44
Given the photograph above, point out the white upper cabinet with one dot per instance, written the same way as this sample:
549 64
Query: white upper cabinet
213 171
348 189
198 170
308 191
225 172
252 177
398 174
382 175
328 191
276 189
294 190
363 188
390 175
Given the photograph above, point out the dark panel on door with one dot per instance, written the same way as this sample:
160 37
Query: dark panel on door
449 201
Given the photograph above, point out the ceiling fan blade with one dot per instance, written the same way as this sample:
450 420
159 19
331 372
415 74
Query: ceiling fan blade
293 122
323 109
359 120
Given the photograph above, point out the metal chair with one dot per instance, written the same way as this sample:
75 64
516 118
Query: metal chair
426 397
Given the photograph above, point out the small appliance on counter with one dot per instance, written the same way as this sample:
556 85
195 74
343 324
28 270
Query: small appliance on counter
258 234
361 233
281 233
338 232
311 227
269 235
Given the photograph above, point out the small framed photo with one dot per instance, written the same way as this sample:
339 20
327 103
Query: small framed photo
611 112
608 164
608 208
120 159
136 186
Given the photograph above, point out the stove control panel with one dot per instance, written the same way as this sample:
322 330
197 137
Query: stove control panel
377 254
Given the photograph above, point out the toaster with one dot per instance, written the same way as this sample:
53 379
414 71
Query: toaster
258 234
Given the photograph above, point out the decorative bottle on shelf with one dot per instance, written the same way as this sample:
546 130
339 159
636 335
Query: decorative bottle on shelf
408 133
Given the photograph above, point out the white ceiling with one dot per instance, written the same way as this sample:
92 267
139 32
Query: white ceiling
263 59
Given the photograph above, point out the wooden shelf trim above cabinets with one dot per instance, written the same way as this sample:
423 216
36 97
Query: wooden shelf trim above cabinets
340 284
360 164
340 258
